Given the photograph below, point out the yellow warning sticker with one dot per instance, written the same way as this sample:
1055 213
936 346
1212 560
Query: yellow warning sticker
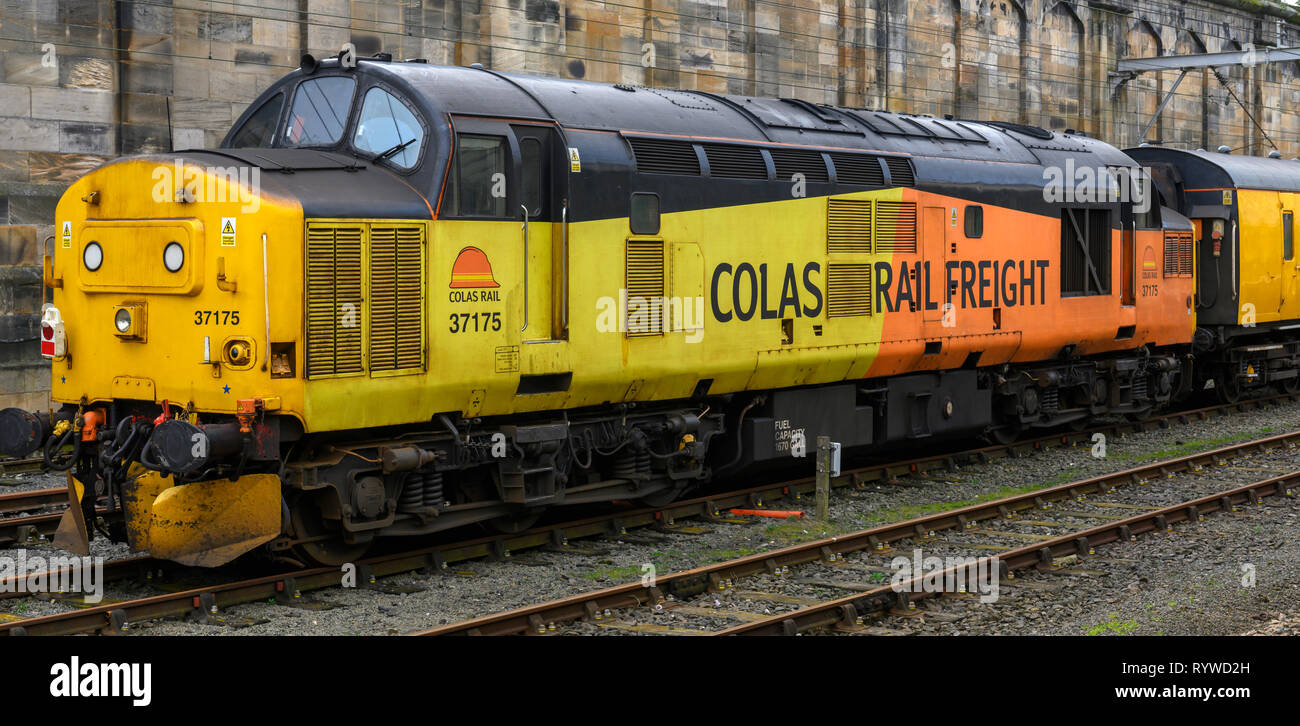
1227 196
575 162
227 231
67 235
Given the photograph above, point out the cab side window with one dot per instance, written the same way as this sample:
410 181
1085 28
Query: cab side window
477 183
259 129
320 111
387 124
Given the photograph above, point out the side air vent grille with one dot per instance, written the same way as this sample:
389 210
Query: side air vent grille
334 300
858 169
848 226
895 227
645 288
848 290
396 298
658 156
790 162
1178 253
735 162
900 171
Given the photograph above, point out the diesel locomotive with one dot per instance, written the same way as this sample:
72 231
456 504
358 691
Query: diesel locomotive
402 298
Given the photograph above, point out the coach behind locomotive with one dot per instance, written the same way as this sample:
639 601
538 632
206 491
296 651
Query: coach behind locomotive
402 298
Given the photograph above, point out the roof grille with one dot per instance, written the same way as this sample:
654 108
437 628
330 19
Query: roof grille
735 162
657 156
900 171
790 162
858 169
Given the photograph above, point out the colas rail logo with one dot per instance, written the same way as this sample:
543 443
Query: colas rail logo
472 271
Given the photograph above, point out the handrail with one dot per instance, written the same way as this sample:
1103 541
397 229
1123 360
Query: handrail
525 228
266 303
564 267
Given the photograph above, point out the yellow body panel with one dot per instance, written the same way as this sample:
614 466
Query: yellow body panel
180 309
1268 281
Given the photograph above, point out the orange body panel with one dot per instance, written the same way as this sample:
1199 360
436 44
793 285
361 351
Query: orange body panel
1006 294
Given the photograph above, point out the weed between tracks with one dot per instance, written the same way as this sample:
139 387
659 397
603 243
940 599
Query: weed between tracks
1113 626
912 511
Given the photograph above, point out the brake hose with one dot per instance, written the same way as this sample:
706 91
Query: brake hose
54 444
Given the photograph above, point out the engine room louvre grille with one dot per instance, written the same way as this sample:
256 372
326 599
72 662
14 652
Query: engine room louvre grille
1178 253
645 288
895 227
848 226
334 299
735 162
848 290
793 161
656 156
900 171
396 298
858 169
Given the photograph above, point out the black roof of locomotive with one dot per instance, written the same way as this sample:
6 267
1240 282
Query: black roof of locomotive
1213 170
721 117
574 104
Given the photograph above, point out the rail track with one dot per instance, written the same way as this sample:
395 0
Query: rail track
202 602
675 590
9 467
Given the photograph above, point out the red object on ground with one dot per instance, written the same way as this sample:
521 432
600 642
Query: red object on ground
772 513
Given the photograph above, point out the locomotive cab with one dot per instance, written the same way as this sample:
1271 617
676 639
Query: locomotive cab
1242 210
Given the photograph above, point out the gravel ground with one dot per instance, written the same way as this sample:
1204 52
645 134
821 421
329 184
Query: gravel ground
410 602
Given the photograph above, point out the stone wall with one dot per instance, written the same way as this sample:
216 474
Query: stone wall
84 80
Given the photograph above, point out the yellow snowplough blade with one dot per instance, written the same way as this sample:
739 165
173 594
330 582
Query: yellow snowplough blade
201 524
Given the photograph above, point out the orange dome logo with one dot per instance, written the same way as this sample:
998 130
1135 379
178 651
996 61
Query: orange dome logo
472 269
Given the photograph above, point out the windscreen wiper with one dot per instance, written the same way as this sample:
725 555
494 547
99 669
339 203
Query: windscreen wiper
392 151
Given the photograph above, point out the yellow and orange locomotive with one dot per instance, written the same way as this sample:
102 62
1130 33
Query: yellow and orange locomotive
402 298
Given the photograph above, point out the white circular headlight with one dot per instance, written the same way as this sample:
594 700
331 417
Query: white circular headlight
122 320
92 256
173 256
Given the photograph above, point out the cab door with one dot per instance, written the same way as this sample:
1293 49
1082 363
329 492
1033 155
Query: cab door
543 227
1289 305
934 251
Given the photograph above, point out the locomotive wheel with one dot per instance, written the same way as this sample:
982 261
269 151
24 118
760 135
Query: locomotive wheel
662 498
329 552
514 523
1007 434
1227 388
1289 385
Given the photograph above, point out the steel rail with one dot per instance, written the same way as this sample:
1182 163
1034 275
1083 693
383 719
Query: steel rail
32 499
20 466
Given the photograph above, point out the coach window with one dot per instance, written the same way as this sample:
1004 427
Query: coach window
387 126
974 221
644 218
320 111
259 129
477 184
1288 235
